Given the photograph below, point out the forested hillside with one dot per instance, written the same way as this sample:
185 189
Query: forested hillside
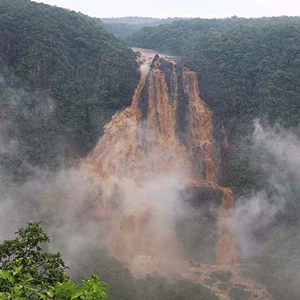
62 76
249 69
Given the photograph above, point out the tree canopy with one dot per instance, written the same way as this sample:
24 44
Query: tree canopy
28 272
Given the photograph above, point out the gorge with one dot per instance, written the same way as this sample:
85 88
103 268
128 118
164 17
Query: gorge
170 177
158 168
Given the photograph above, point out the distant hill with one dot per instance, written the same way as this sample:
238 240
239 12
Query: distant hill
125 26
139 20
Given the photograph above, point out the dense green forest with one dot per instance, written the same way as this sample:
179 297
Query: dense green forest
62 77
249 69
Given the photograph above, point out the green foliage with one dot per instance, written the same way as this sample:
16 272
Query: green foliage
91 289
18 285
26 251
27 272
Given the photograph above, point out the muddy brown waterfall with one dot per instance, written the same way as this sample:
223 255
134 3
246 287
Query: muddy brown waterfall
150 153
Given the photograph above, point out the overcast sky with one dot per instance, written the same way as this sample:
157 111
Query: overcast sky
181 8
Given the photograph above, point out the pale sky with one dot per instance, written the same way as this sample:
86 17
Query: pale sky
181 8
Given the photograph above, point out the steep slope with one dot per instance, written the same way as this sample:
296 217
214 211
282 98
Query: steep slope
62 76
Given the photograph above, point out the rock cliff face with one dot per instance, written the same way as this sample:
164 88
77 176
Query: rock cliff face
158 167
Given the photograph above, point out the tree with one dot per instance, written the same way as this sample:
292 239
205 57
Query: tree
28 272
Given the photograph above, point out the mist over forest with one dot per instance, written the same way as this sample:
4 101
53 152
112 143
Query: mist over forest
67 82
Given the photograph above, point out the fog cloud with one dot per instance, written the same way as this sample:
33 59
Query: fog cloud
276 152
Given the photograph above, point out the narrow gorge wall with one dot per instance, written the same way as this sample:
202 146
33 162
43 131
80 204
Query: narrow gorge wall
154 157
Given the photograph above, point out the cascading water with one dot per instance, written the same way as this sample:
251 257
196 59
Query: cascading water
149 153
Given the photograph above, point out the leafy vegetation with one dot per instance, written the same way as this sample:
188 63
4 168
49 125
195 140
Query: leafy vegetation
28 272
62 77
